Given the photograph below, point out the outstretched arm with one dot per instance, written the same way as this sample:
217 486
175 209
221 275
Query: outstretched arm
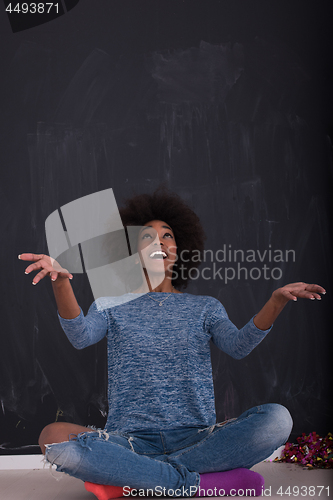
280 297
81 331
239 343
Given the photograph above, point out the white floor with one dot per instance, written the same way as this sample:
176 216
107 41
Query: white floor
41 484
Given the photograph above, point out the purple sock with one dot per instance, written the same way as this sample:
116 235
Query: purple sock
234 482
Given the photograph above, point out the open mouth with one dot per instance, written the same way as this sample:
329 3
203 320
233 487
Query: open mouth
158 254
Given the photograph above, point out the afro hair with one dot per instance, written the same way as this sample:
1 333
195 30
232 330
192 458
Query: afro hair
170 208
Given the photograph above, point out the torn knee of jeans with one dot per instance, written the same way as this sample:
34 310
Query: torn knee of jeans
94 428
83 437
103 434
65 456
47 448
47 460
52 466
82 440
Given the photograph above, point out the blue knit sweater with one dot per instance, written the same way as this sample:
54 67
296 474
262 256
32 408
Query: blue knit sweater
159 366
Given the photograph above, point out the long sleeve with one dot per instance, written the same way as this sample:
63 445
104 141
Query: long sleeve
84 331
227 337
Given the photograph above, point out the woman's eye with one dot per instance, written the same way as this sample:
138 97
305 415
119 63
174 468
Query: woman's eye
147 235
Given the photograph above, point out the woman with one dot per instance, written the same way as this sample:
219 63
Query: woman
161 433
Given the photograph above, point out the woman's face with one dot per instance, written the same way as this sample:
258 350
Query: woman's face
157 247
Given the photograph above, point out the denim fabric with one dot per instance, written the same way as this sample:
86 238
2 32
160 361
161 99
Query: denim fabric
173 459
159 365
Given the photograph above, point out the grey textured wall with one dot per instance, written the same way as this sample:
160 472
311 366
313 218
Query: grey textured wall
229 103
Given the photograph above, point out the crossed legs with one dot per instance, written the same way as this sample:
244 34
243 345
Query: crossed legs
124 460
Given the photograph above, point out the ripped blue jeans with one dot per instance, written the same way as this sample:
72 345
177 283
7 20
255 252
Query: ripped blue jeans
173 459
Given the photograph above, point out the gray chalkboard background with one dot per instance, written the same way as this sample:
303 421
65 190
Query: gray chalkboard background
229 103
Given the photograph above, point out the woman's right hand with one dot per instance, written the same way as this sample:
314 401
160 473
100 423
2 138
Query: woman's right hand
47 265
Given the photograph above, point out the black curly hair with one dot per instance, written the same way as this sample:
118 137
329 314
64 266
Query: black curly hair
170 208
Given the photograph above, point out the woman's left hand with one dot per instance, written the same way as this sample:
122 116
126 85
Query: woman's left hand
280 297
301 290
